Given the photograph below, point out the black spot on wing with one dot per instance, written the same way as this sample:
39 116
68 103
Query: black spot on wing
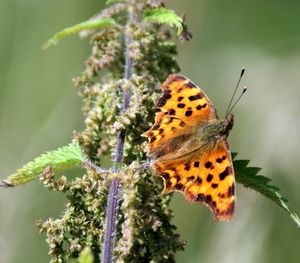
195 97
177 177
171 112
199 198
209 178
208 199
176 77
167 95
199 107
161 102
160 131
202 198
152 139
225 173
191 178
198 180
231 191
191 85
187 167
208 165
178 187
181 105
220 160
165 175
168 184
188 113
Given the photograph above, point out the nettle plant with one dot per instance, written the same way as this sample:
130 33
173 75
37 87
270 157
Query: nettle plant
119 214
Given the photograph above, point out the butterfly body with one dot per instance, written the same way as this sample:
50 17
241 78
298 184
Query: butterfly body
189 144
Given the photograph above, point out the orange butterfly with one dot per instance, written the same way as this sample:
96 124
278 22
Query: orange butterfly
188 143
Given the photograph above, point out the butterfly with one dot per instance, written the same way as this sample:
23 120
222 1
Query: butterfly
188 143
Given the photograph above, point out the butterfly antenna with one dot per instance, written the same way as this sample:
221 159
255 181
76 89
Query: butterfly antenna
244 90
230 108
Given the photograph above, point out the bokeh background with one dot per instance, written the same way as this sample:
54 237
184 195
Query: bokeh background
39 109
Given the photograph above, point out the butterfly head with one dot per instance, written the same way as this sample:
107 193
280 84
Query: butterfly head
228 124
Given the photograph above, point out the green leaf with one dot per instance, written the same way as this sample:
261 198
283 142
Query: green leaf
64 158
90 24
163 15
248 177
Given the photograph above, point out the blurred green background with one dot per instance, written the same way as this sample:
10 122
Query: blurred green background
39 109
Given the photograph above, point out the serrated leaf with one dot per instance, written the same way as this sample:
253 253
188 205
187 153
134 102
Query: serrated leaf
90 24
166 16
64 158
247 176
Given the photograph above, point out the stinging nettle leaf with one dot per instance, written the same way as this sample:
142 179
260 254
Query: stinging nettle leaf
90 24
247 176
163 15
64 158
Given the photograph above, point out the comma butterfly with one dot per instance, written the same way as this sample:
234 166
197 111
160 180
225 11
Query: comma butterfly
188 143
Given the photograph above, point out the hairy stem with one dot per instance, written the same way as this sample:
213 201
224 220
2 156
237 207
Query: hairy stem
113 196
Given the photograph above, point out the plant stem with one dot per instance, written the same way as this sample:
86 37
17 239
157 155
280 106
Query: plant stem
113 196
